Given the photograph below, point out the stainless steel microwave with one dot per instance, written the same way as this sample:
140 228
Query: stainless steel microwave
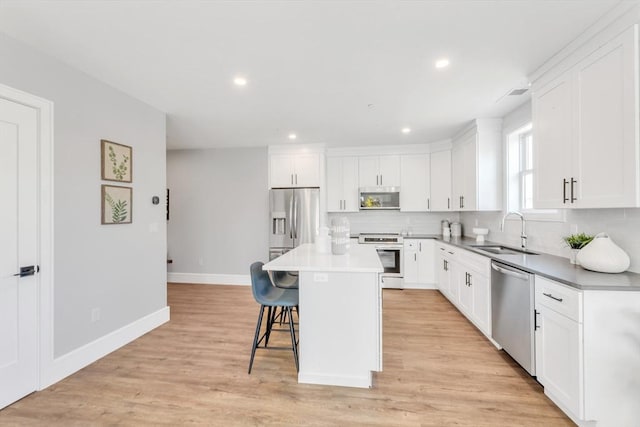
379 198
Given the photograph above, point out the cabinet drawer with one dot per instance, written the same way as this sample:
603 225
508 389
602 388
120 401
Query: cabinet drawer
410 245
559 298
476 262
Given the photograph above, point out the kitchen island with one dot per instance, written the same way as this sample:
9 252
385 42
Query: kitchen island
340 314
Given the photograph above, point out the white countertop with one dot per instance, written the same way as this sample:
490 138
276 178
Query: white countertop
359 259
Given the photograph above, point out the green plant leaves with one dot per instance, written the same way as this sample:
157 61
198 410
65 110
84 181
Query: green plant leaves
118 209
577 241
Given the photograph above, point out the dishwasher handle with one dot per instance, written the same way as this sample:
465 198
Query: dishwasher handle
508 272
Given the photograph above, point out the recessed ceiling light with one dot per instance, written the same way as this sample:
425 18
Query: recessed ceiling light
292 136
240 81
442 63
406 130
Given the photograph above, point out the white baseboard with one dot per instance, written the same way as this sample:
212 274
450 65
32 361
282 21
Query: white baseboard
419 286
63 366
210 279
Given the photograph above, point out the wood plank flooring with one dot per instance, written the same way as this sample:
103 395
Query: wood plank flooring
438 371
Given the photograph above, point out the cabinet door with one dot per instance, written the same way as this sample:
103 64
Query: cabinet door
444 277
426 272
350 191
481 286
440 181
411 266
368 172
469 185
414 183
559 358
552 144
454 280
389 167
464 172
457 177
281 171
334 184
606 97
307 170
466 291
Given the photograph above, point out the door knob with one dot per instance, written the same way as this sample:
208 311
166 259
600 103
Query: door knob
29 270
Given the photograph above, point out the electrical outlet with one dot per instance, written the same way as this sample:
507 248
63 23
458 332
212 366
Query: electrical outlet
95 314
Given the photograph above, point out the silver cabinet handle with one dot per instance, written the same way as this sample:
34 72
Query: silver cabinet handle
420 244
573 181
415 257
552 297
295 218
296 179
380 179
564 190
428 204
448 202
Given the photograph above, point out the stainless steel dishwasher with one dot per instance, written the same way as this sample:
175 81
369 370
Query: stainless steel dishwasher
512 313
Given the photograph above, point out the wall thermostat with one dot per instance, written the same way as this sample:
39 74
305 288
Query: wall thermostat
155 200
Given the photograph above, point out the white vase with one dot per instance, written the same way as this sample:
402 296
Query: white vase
602 255
573 257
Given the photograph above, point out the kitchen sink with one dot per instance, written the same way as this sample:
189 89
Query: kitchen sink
502 250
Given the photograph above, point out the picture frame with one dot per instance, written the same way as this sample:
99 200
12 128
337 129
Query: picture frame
116 205
116 161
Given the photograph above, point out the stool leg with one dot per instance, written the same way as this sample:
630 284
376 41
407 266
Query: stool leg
294 344
255 338
269 324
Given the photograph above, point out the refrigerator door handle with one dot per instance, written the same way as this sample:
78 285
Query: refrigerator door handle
295 217
291 218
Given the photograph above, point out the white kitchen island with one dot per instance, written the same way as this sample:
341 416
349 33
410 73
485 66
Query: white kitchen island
340 314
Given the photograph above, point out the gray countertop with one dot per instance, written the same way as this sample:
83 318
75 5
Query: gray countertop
554 268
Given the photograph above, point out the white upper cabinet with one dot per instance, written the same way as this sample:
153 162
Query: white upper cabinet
342 184
585 130
440 190
415 183
476 167
379 171
294 170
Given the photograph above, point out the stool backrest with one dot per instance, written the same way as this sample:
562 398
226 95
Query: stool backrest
260 282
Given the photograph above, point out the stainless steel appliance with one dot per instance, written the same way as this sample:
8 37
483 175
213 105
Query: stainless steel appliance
512 313
390 248
379 198
294 218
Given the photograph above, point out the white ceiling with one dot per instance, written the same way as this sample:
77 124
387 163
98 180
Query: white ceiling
336 72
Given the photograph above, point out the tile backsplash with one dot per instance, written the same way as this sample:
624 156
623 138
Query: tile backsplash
395 221
622 225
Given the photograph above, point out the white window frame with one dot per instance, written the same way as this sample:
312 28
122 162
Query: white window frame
513 137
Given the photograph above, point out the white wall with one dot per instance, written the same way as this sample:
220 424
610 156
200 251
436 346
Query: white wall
622 225
120 269
219 210
395 222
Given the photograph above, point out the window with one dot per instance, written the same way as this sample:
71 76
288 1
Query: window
520 176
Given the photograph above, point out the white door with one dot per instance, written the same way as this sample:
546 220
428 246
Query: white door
281 171
606 96
350 191
552 144
440 182
368 171
307 170
389 167
335 199
18 248
414 183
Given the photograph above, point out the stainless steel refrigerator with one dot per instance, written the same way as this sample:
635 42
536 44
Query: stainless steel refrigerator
295 218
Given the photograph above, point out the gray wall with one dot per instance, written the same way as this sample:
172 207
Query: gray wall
120 269
219 210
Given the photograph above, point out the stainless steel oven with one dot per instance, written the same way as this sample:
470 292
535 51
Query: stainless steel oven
390 250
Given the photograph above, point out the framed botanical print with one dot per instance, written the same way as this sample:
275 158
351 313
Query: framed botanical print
117 162
117 204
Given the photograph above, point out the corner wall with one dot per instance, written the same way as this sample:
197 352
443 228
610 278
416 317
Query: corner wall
118 269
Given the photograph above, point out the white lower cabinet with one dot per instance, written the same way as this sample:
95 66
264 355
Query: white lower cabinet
588 352
463 278
419 271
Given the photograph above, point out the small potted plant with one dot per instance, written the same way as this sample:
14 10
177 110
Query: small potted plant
576 242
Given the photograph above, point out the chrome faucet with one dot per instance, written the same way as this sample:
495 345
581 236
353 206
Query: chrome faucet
523 234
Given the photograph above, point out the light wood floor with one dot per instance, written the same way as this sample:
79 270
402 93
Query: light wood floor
438 371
